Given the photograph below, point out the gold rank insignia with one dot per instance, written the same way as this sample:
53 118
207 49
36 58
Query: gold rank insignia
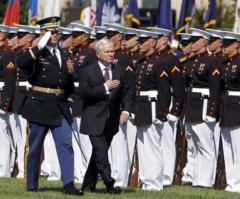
175 68
183 59
215 72
129 69
10 66
163 74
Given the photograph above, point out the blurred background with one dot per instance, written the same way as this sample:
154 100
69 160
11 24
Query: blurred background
222 14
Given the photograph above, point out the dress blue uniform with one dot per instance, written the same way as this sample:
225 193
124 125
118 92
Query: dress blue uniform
46 107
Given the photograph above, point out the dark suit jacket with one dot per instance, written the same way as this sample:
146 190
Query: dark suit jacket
98 107
46 108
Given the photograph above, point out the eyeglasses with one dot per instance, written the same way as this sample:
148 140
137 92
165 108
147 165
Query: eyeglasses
55 32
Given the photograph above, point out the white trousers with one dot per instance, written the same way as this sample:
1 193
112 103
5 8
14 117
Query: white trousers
120 153
6 146
19 127
81 159
169 131
205 160
231 149
150 157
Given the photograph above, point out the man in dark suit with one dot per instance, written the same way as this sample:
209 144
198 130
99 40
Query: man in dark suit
107 100
46 106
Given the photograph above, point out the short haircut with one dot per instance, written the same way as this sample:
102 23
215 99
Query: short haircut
100 45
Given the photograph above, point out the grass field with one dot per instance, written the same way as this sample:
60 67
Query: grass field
15 189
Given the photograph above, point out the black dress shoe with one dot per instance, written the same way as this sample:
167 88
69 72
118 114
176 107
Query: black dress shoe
114 190
32 190
71 190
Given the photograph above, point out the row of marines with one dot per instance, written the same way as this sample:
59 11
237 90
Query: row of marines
196 86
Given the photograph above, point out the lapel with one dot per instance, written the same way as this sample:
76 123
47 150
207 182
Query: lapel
98 73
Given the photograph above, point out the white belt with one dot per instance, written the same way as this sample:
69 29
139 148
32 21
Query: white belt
203 91
76 84
233 93
25 83
2 84
152 97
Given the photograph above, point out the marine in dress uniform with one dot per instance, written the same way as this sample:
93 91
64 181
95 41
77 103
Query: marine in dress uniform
203 99
151 108
174 70
229 119
119 150
46 107
7 89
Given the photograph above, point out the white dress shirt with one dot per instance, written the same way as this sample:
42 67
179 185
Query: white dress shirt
50 49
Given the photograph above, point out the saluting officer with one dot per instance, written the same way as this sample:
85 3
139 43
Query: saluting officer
230 120
46 106
201 110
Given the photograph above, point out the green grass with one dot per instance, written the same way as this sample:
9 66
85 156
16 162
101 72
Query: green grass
15 189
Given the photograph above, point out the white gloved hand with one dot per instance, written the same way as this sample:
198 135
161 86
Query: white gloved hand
44 39
2 112
157 122
209 119
172 118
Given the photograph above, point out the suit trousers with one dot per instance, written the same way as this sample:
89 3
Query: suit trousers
99 162
62 136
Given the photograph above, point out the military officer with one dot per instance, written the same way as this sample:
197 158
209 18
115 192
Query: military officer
151 108
172 66
229 119
7 89
46 107
203 99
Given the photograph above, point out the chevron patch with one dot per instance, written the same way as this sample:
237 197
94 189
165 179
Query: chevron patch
10 66
175 68
129 69
163 74
215 72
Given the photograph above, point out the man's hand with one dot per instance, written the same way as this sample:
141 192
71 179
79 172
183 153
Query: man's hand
172 118
124 118
2 112
111 84
44 39
157 122
209 119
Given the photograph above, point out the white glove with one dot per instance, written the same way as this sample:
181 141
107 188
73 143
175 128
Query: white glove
43 41
157 122
209 119
2 112
172 118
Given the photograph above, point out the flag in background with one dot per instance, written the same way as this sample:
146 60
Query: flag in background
88 15
164 19
52 9
33 11
130 14
186 15
210 15
12 13
236 27
108 12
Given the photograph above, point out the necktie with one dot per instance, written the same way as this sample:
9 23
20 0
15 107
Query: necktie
106 74
55 58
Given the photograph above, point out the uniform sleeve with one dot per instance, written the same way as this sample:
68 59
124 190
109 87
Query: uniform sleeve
215 90
177 85
26 59
164 92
